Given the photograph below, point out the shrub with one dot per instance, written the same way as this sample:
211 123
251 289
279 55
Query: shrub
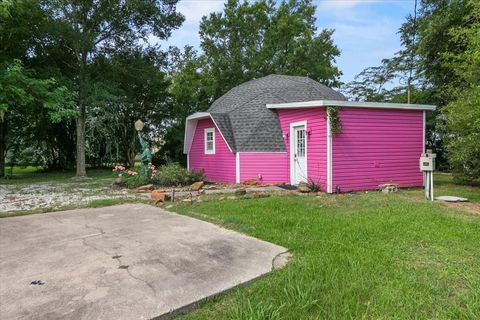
314 186
135 181
175 175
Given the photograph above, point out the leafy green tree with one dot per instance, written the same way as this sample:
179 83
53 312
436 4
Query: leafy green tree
20 90
462 116
250 40
139 91
90 30
188 94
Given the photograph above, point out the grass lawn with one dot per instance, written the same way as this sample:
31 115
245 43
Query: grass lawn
27 175
355 256
365 255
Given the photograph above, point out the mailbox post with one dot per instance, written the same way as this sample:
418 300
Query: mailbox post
427 165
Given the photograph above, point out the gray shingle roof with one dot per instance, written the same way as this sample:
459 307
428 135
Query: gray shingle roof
245 122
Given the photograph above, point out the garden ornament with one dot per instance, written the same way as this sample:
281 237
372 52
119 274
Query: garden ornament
146 153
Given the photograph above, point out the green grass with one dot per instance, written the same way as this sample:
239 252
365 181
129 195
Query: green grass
355 256
363 256
444 185
28 175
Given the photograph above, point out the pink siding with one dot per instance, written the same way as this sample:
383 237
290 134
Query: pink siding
316 140
219 166
272 167
377 146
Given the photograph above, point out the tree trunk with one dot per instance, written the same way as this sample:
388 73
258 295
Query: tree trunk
81 171
3 131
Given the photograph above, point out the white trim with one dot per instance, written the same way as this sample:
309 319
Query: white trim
188 160
198 115
191 127
423 140
207 131
356 104
237 167
329 156
292 149
424 132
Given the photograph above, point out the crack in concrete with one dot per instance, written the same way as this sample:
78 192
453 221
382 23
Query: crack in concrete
118 258
115 255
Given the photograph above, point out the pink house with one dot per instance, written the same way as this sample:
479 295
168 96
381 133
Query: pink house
277 129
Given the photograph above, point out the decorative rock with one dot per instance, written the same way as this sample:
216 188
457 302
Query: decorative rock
303 187
250 182
451 199
240 192
388 187
145 188
159 196
261 195
197 185
118 183
231 198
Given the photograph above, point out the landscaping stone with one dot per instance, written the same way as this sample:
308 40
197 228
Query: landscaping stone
145 188
197 186
261 195
118 183
388 187
451 199
240 192
303 187
159 196
250 182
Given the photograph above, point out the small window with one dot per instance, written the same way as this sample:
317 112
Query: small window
209 141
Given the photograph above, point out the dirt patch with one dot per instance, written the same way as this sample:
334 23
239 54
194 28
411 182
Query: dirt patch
471 207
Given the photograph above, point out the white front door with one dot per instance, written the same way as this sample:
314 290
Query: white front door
299 154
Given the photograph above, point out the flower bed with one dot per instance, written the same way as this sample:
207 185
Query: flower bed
169 175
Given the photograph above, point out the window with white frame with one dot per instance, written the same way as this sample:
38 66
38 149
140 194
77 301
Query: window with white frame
210 141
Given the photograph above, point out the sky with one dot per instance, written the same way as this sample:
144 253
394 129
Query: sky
365 30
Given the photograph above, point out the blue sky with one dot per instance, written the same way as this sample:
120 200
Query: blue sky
365 30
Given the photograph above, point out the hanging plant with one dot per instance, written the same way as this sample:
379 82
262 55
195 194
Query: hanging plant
335 121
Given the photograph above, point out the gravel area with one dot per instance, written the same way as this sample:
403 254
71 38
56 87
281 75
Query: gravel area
55 195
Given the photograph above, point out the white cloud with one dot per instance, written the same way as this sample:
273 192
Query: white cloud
194 10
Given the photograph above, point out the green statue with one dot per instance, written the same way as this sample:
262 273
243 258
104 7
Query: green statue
146 153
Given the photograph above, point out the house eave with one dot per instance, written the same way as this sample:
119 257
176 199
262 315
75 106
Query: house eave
352 104
190 127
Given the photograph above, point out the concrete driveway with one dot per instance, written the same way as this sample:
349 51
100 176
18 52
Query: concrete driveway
120 262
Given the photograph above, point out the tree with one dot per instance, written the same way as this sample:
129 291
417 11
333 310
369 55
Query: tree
139 91
462 115
250 40
19 90
188 94
90 30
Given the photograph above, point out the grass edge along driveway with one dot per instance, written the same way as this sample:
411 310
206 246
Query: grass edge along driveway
355 256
